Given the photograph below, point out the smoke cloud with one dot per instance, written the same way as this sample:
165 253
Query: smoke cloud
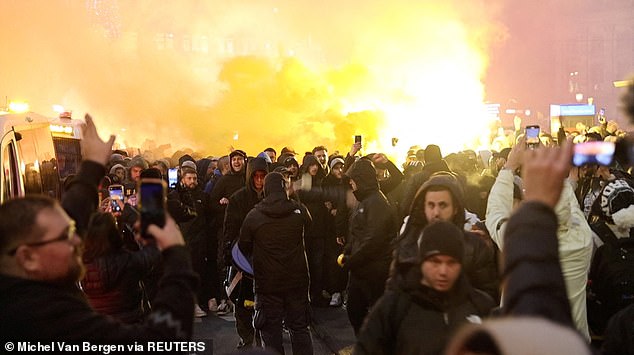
210 75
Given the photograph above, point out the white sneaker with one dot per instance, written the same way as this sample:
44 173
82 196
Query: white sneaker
213 305
335 300
198 312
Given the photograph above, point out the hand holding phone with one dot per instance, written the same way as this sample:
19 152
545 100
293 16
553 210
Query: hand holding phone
152 204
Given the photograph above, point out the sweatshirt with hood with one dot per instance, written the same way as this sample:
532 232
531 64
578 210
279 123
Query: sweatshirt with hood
241 202
272 235
479 264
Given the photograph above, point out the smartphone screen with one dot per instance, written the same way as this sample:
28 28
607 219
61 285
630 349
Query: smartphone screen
116 194
532 135
357 139
152 197
599 152
172 176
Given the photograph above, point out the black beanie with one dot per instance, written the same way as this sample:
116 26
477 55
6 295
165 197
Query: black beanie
442 238
238 152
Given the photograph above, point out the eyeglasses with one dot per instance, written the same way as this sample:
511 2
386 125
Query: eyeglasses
67 235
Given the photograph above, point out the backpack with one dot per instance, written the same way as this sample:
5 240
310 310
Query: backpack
611 277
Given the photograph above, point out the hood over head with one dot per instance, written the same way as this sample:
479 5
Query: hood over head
364 175
446 180
254 165
236 152
185 158
265 157
432 154
139 162
115 167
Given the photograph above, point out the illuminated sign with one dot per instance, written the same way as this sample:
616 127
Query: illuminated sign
572 110
61 129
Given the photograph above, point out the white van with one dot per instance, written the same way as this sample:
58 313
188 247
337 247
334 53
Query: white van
37 154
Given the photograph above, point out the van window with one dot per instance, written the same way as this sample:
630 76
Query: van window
36 149
11 174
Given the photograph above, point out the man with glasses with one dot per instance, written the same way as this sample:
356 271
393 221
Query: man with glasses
40 266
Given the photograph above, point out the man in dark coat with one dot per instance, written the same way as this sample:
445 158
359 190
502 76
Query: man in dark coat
189 206
223 188
40 265
240 203
421 318
368 252
273 236
440 199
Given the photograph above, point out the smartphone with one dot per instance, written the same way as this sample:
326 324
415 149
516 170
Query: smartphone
152 203
172 177
357 139
599 152
532 136
116 194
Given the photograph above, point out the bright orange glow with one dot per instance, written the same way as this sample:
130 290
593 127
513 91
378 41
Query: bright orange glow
255 74
18 107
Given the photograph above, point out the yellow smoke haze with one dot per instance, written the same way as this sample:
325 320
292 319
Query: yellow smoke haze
252 74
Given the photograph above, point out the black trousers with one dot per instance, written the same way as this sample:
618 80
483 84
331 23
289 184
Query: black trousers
362 294
315 252
292 308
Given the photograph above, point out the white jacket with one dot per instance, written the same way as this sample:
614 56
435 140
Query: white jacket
574 234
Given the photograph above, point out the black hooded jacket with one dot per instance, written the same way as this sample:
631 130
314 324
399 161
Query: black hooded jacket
419 319
479 264
225 187
240 203
372 225
272 236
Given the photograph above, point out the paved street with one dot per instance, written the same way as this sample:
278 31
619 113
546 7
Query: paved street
331 332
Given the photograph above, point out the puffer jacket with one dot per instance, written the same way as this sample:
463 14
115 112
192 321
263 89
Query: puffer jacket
273 236
113 283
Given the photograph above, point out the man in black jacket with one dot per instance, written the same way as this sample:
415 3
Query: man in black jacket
189 206
440 199
368 252
273 236
40 264
240 203
420 318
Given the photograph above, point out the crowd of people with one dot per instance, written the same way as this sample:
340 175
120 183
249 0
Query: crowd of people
448 252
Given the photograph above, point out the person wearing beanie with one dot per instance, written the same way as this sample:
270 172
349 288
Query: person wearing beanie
422 317
613 237
441 199
293 167
368 251
272 236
